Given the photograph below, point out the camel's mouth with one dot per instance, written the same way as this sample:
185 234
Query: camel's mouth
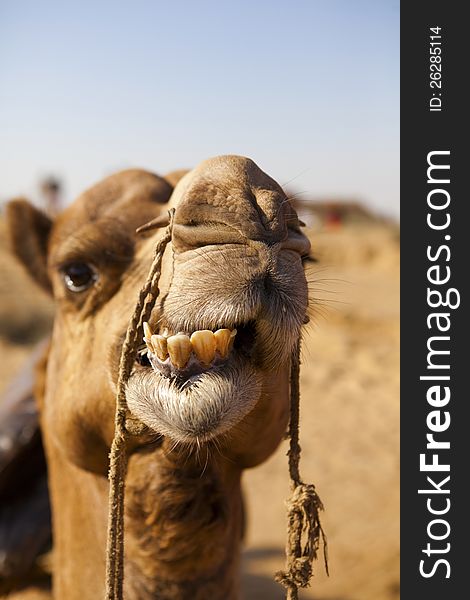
194 386
183 355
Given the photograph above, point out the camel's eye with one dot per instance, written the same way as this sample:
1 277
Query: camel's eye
79 276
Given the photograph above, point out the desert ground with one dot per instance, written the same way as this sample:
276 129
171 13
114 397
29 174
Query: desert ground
349 414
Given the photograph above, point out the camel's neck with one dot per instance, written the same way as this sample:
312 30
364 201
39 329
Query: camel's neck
182 530
183 527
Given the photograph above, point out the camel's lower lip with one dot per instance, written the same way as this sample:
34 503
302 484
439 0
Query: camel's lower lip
194 407
192 368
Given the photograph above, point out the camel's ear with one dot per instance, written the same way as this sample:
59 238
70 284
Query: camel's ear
28 231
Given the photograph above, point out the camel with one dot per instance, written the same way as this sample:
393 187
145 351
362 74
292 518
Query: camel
210 382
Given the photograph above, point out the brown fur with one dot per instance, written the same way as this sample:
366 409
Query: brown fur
235 258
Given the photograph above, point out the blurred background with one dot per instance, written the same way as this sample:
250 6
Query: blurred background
310 91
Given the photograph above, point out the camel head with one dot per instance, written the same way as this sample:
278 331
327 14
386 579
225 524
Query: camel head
214 361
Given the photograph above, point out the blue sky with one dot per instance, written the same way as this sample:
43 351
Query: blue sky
308 89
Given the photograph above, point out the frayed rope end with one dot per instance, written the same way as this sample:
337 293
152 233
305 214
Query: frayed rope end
303 518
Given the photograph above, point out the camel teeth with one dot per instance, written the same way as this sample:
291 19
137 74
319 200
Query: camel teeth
160 343
179 349
224 339
203 343
147 331
148 336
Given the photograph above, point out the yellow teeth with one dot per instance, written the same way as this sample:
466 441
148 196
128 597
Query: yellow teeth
179 349
147 331
224 339
160 344
203 343
148 336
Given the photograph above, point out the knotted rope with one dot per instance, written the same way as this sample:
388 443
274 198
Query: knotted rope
303 507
